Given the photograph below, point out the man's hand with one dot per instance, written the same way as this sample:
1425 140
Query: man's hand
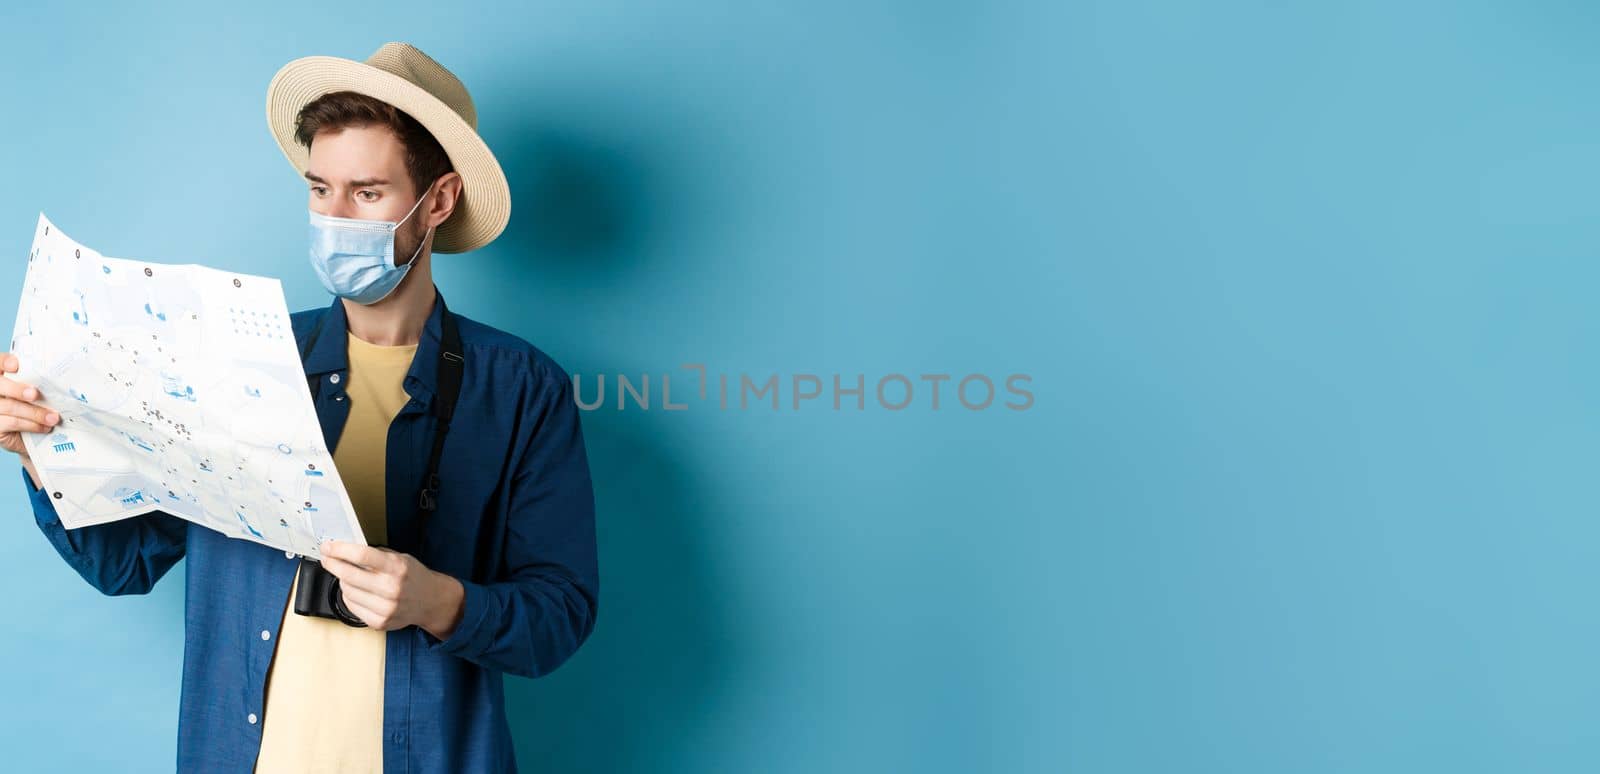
390 590
19 414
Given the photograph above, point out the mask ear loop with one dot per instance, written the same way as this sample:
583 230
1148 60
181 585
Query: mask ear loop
425 234
423 241
414 207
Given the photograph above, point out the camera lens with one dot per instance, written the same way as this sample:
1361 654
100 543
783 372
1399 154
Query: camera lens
336 602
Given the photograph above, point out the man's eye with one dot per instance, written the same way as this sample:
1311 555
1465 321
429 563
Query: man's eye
317 189
373 197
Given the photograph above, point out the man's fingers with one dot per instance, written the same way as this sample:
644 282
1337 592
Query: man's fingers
37 414
354 553
352 575
11 388
367 617
10 424
370 558
346 571
366 599
385 560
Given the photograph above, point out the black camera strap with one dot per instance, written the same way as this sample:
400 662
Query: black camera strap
450 368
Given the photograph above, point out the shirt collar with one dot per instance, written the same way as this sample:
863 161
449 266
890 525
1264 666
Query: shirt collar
329 353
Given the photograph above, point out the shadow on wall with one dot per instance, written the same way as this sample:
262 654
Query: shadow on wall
577 204
578 200
638 693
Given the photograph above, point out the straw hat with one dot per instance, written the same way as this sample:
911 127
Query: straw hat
408 79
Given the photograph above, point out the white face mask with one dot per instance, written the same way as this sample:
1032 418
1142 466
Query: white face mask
354 257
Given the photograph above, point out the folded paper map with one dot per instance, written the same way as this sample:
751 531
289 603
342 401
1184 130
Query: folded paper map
180 389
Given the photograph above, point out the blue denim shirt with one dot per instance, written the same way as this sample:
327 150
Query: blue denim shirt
515 524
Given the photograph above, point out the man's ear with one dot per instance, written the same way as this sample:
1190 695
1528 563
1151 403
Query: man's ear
447 194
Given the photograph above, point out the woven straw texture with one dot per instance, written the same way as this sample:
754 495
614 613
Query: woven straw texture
408 79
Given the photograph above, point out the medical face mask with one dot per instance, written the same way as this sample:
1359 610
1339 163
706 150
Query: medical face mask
354 257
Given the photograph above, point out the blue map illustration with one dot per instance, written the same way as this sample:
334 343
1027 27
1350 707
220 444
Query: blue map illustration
180 390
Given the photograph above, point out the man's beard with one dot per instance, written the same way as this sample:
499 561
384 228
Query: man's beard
405 250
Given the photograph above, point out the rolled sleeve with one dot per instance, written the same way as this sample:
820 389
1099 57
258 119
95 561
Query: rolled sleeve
467 639
534 618
126 556
44 511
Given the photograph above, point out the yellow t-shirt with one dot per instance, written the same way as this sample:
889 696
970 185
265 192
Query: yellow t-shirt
324 701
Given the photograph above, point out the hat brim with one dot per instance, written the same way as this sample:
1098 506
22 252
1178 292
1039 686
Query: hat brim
485 205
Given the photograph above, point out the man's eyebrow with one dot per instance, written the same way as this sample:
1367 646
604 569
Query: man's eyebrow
363 183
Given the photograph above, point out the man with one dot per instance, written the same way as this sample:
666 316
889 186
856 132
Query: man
507 576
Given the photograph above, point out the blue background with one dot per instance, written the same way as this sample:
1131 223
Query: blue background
1306 295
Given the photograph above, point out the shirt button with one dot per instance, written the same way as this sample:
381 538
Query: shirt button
333 379
251 718
266 635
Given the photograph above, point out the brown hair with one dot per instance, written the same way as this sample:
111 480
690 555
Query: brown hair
334 111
